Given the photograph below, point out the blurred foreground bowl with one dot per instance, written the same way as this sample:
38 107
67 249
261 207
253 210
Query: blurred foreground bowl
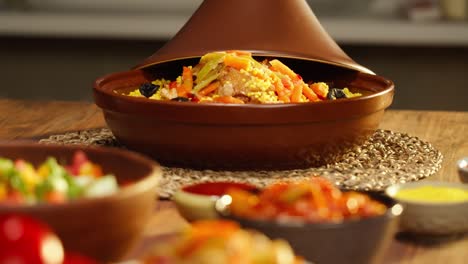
106 227
351 241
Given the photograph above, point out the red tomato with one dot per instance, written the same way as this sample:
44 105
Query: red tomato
24 240
79 158
74 258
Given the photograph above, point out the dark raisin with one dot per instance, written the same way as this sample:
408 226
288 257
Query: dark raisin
335 93
243 97
148 89
180 99
193 97
331 94
339 93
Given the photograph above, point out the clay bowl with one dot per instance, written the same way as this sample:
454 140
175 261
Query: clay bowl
462 167
239 137
351 241
106 227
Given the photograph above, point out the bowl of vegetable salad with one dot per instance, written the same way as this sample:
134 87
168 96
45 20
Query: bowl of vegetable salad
243 110
97 200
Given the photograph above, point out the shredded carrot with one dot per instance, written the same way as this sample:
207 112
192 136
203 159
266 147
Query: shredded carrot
310 94
228 100
280 91
296 94
278 66
236 62
287 83
187 79
321 89
181 91
209 89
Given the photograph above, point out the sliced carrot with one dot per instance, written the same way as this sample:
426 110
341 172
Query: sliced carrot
280 91
321 89
278 66
310 94
287 83
240 63
209 89
187 79
296 94
228 100
179 88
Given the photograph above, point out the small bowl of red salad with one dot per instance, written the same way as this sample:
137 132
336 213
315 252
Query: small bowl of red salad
197 201
321 222
97 200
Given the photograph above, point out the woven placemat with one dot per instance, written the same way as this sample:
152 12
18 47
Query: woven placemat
386 158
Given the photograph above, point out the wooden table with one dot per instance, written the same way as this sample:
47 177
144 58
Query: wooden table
447 131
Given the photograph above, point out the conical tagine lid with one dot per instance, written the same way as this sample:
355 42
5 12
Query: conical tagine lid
272 27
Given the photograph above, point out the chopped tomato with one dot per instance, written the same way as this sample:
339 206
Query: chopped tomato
313 200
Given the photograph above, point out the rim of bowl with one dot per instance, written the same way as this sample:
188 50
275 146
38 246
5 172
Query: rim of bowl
393 189
394 210
242 185
143 184
101 81
270 53
181 194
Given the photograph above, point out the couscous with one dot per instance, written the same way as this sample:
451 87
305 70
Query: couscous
236 77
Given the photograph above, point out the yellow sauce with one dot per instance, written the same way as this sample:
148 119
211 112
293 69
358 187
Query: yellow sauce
433 194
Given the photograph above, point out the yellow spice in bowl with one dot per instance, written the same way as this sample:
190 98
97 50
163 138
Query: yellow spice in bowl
433 194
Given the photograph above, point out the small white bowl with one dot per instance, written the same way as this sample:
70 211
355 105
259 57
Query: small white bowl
432 218
462 166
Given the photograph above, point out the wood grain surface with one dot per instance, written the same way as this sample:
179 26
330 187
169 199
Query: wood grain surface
446 131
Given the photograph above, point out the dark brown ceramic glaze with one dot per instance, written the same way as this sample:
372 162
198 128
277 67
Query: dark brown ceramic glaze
220 136
281 27
104 228
352 241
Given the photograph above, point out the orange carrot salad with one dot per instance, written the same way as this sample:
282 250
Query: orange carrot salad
314 200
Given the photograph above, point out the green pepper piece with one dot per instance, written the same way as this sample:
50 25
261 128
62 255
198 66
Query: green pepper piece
212 61
42 189
6 166
205 82
16 182
57 176
74 190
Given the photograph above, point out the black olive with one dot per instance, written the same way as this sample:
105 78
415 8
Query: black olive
148 89
180 99
335 93
339 93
